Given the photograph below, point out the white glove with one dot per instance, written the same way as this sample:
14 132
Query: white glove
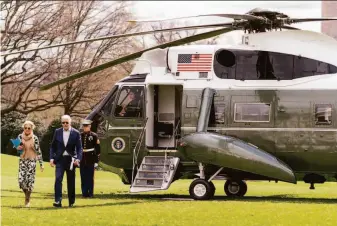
95 165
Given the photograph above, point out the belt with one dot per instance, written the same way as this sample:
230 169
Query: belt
87 150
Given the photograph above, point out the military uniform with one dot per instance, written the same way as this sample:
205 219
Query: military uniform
90 158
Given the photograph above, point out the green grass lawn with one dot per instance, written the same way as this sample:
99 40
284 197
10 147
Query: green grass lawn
265 203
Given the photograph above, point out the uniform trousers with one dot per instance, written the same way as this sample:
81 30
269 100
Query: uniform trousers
87 180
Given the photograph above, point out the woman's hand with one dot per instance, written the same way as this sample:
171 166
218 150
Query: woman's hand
41 168
20 147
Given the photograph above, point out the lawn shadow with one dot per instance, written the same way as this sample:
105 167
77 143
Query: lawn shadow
74 207
34 192
285 198
175 197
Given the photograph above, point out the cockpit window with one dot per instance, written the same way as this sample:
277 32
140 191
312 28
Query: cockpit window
107 108
101 111
130 102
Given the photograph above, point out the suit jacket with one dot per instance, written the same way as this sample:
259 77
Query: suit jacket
74 145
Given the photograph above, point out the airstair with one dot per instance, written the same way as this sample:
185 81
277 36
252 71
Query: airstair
155 173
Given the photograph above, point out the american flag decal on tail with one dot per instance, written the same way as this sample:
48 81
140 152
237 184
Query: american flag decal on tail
195 62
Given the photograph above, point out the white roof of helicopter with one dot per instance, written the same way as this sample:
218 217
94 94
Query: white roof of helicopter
308 44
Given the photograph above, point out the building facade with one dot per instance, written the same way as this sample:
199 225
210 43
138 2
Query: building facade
329 9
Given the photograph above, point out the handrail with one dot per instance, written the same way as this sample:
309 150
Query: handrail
135 156
174 135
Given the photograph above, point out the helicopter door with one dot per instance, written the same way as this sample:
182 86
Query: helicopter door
163 111
127 120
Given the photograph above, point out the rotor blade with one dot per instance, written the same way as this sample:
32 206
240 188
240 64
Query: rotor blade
126 35
233 16
299 20
290 28
135 55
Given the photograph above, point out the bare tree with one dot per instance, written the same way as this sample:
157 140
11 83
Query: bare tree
37 23
163 37
78 97
27 24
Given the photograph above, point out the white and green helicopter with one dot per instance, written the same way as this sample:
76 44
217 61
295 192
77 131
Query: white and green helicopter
265 109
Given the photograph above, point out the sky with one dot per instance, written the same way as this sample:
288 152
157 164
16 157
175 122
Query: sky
171 9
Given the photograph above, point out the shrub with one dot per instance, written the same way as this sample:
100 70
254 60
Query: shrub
11 127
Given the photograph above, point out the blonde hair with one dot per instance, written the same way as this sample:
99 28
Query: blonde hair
29 123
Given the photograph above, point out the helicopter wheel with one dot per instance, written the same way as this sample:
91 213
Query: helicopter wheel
201 189
213 186
235 188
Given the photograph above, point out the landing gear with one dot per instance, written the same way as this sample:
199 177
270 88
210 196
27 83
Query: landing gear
201 189
235 188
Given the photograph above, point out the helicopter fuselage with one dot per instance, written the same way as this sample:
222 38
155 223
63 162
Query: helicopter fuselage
280 100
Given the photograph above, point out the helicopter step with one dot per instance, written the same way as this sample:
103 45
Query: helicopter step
155 173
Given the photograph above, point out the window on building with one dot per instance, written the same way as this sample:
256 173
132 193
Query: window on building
130 102
252 112
323 114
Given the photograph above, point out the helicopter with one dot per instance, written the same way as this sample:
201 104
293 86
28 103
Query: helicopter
263 109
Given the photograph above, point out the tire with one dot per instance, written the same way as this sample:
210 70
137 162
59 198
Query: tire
235 188
213 188
201 190
244 188
211 183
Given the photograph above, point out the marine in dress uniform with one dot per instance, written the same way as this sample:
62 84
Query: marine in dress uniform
90 158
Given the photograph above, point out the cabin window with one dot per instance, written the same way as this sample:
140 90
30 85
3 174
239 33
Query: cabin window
252 112
305 67
323 114
130 102
265 65
219 113
282 65
248 66
332 69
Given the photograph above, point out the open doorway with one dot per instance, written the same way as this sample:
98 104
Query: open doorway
163 111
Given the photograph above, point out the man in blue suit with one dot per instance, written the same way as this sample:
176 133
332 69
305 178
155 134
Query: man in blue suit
65 154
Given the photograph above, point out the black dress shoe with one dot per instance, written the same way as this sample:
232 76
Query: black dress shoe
57 204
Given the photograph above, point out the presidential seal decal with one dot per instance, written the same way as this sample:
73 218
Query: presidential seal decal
118 144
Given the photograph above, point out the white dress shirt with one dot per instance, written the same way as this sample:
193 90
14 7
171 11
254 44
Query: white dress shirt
66 134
